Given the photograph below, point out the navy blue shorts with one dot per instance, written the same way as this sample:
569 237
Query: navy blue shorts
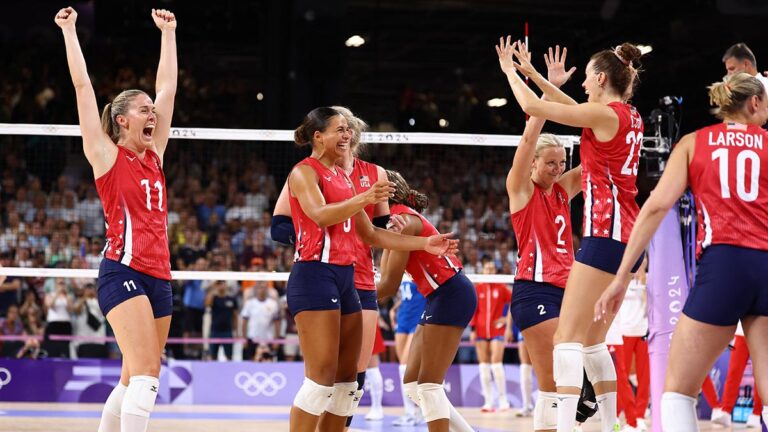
316 286
535 302
453 303
368 299
731 283
118 283
603 254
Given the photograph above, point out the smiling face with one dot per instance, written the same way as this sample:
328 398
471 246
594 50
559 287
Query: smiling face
138 122
594 82
335 140
548 166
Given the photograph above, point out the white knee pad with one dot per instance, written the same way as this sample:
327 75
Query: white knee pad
114 402
599 364
356 400
139 399
313 398
434 402
678 413
342 402
411 390
568 365
545 413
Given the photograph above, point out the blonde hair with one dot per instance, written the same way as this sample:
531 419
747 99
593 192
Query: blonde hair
731 94
357 125
547 141
117 107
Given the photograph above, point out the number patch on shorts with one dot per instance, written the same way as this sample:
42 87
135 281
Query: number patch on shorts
541 310
129 285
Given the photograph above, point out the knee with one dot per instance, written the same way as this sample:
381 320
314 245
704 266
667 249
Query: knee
140 396
434 402
146 368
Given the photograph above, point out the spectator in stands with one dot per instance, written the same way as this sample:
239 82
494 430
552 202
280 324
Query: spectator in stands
10 287
194 308
59 305
88 321
260 320
224 312
11 325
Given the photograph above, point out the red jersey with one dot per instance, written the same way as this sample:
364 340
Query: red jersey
133 195
364 174
609 174
729 185
545 242
334 244
491 298
428 271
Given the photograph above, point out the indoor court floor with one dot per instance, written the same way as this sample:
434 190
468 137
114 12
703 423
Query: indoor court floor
55 417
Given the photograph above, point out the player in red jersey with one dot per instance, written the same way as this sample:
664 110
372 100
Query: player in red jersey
363 175
490 330
539 192
125 149
328 216
722 165
451 303
610 147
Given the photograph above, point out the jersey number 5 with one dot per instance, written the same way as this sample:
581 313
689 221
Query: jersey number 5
159 187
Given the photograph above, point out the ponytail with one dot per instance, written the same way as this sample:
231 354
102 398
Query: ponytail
107 123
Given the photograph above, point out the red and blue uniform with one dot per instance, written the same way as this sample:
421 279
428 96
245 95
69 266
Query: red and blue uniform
608 180
364 175
451 297
730 187
545 257
137 259
322 277
491 301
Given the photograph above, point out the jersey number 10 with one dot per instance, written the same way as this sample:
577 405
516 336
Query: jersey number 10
721 155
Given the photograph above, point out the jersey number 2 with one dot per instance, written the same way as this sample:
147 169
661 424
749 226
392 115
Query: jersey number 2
560 220
159 187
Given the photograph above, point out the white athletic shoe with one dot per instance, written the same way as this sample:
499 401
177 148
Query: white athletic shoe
642 425
404 420
487 408
525 412
754 421
374 415
503 405
720 417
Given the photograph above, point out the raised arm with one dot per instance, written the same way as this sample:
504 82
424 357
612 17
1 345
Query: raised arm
598 117
571 181
303 185
670 188
98 147
439 244
519 185
167 72
556 73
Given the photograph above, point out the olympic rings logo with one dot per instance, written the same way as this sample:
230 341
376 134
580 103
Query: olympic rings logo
260 383
5 377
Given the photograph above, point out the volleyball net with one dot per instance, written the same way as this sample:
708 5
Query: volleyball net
222 185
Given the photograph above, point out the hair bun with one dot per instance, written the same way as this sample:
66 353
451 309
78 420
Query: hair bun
629 52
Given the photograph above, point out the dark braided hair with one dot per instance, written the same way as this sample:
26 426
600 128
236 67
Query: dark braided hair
405 195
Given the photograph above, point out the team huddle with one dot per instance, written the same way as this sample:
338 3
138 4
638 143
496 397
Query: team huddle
335 207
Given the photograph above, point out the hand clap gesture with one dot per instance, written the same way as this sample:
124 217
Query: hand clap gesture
556 73
164 19
66 17
381 191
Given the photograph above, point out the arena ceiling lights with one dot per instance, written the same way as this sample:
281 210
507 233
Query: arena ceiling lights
355 41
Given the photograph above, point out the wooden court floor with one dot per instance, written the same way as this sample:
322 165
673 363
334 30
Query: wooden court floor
49 417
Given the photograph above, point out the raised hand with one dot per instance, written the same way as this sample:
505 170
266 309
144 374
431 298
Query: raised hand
66 17
164 19
442 244
523 57
504 50
556 73
381 191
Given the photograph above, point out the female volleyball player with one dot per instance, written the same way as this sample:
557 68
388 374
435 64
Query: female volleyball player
722 165
539 193
125 148
407 310
451 303
363 175
610 145
328 216
489 325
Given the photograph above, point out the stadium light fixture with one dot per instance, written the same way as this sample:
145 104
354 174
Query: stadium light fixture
497 102
355 41
645 49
